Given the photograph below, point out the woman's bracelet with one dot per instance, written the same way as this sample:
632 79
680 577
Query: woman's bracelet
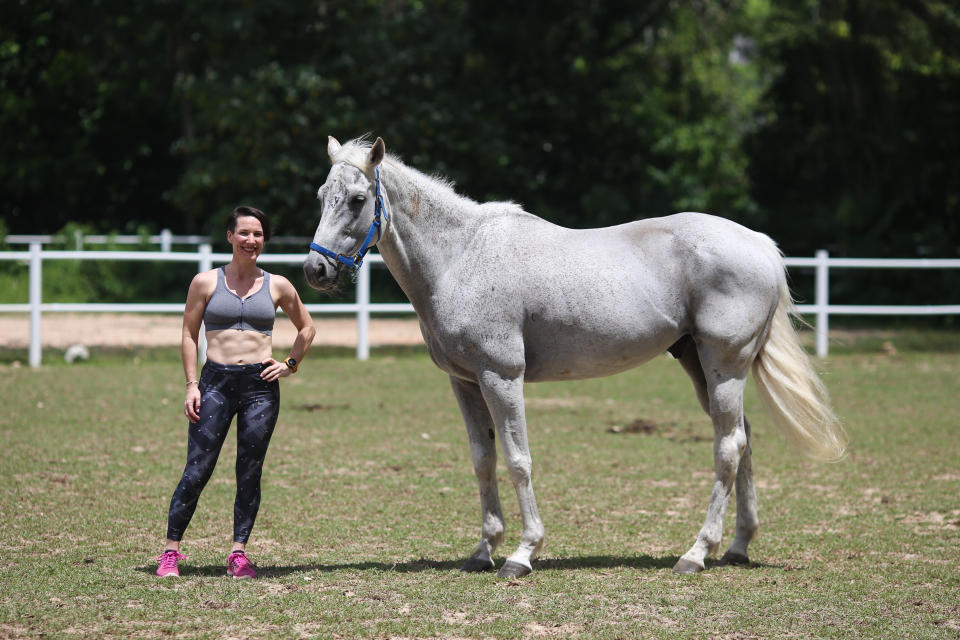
190 382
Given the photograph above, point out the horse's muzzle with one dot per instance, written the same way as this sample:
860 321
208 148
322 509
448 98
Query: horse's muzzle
321 272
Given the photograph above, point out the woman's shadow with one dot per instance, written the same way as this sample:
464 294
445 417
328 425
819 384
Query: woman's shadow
642 562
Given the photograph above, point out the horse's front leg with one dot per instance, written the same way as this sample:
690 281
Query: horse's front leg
504 399
483 450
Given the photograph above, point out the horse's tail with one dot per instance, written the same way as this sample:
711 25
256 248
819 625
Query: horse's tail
792 390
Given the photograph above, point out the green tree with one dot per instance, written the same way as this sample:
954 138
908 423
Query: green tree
861 153
85 121
255 127
587 114
821 123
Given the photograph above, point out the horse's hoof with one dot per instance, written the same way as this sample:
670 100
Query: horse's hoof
687 567
513 570
477 565
734 558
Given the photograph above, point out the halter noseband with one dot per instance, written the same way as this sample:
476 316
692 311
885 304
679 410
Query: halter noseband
355 261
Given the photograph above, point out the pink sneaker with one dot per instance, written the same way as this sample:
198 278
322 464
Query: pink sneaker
168 563
239 566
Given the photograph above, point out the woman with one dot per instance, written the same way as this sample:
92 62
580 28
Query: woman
237 304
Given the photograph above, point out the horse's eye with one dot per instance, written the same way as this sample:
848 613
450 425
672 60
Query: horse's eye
357 201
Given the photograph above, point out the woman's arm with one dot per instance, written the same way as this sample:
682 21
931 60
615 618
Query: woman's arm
192 318
289 301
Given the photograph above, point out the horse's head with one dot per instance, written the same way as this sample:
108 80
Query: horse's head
352 212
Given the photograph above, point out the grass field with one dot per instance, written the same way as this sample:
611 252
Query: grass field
370 506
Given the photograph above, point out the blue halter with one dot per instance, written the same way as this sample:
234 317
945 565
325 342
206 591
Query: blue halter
355 261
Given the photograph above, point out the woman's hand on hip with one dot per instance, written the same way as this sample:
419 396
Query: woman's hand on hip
274 370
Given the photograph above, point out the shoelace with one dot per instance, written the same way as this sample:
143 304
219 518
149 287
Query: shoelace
169 559
238 561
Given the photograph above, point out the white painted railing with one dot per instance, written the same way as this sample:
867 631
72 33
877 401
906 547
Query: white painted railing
204 259
362 308
822 309
165 239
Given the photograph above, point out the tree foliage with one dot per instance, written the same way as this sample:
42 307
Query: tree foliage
85 124
861 153
821 123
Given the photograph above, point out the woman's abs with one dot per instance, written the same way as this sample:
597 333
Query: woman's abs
232 346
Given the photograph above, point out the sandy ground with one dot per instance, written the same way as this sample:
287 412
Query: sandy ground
60 330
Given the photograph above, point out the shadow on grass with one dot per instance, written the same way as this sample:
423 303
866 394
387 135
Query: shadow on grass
415 566
634 562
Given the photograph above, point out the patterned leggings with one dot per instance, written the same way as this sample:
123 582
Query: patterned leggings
225 391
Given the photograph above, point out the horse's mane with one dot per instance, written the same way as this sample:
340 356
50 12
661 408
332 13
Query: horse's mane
355 152
417 186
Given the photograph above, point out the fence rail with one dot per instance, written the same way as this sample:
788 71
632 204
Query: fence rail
166 239
822 309
204 258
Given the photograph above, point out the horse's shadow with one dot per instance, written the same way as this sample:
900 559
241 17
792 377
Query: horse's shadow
642 562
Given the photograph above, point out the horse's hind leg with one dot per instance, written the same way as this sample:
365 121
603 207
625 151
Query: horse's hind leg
685 350
725 378
747 521
483 450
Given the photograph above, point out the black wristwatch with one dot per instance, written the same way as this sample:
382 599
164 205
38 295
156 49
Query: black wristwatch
290 362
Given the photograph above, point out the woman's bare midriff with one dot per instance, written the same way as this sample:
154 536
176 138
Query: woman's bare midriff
232 346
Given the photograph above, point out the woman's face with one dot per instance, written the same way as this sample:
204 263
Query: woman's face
247 239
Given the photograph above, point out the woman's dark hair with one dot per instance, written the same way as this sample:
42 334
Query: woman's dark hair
254 213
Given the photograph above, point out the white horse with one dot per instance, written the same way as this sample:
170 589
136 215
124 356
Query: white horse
505 297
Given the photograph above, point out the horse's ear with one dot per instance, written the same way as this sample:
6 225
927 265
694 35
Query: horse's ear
377 151
333 147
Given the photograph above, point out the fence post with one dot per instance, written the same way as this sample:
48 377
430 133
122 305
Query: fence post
363 313
36 280
822 301
166 240
205 264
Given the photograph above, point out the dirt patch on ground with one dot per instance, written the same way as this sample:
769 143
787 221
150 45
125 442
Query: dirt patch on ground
60 330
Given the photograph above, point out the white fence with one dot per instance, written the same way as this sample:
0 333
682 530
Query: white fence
362 308
822 309
204 259
165 239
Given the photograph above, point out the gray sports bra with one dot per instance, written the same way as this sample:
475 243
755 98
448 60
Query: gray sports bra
227 310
